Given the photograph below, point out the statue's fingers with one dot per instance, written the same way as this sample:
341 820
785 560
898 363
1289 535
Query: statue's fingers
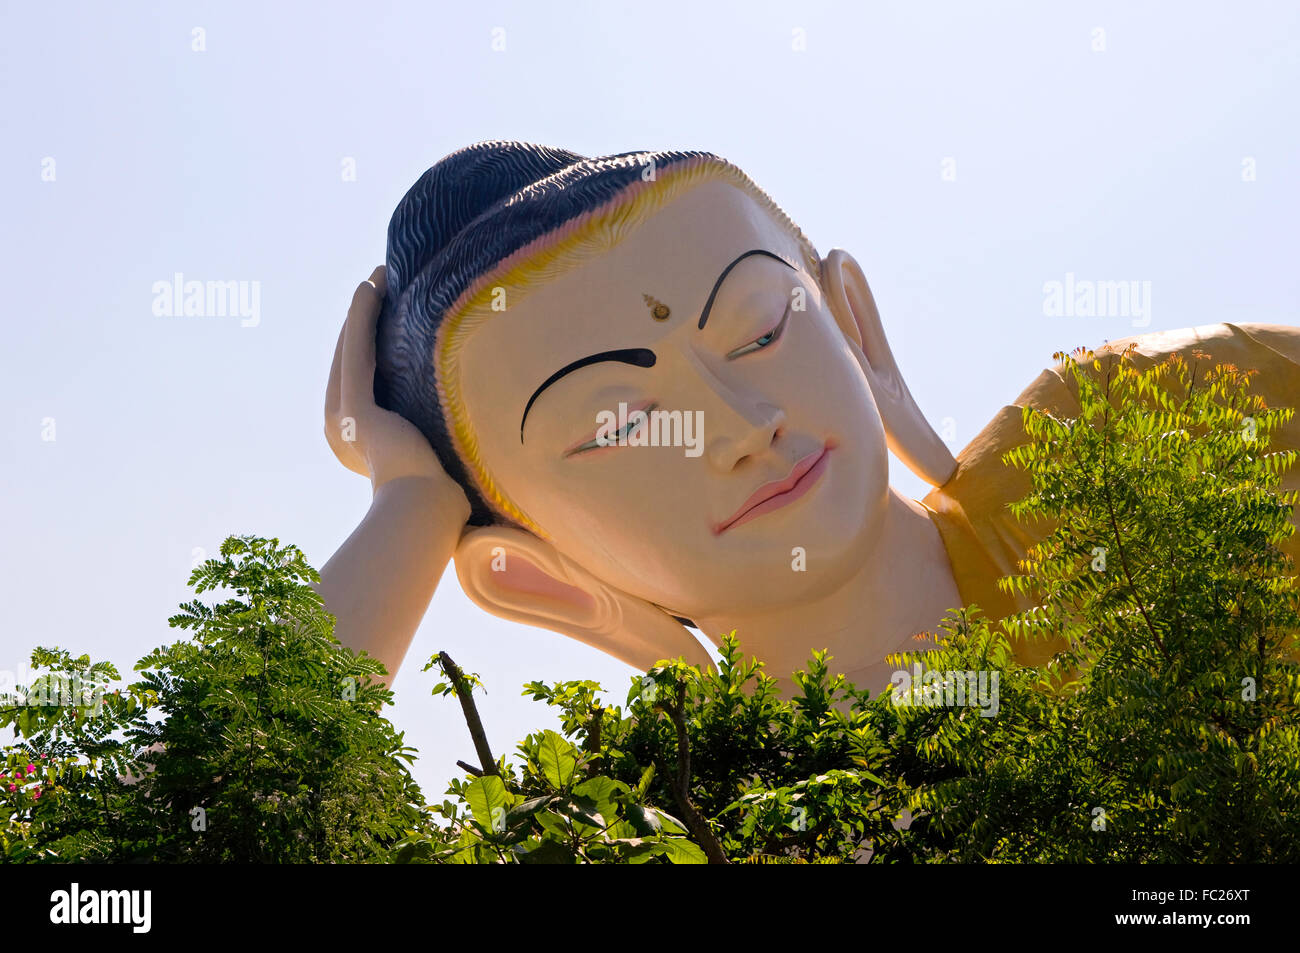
358 384
334 386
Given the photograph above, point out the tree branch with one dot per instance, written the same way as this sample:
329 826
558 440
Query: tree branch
680 783
593 740
472 720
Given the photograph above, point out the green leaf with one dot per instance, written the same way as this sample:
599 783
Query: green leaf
643 786
603 793
651 820
554 825
583 813
487 800
558 759
528 808
681 851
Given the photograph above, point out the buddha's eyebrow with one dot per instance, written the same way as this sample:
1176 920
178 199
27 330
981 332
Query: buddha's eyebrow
640 356
708 305
636 356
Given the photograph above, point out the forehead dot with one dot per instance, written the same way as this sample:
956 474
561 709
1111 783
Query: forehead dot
658 310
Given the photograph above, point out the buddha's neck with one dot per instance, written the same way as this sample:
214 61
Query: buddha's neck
902 588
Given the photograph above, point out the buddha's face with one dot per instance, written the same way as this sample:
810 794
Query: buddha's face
786 451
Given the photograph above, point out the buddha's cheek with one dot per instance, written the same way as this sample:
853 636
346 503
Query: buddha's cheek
657 549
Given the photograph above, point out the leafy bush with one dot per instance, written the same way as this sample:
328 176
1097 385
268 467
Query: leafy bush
1164 579
258 740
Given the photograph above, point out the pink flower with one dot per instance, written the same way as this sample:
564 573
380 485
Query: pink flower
31 769
18 772
13 787
37 794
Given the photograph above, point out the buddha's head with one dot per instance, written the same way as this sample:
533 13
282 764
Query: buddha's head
616 358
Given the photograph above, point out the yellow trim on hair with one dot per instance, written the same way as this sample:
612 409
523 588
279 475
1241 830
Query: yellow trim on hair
554 254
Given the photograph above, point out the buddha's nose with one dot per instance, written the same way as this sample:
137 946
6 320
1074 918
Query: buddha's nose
737 422
741 431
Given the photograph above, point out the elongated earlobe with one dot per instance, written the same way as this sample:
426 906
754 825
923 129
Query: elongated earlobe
514 575
909 434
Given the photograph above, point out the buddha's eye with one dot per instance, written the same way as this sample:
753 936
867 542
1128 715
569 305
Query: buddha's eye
636 419
767 339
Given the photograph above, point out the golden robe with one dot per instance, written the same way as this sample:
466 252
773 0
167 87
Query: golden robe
984 541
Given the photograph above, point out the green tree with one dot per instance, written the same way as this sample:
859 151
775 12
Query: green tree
1168 728
259 739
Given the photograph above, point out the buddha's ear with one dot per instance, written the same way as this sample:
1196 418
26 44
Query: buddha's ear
512 574
909 434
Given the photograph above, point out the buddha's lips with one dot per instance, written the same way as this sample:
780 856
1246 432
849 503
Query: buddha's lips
778 493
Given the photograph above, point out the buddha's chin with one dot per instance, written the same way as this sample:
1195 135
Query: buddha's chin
784 575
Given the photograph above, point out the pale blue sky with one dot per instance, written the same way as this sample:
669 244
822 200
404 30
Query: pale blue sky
172 433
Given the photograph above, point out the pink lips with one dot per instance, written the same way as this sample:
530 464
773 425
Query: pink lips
774 495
